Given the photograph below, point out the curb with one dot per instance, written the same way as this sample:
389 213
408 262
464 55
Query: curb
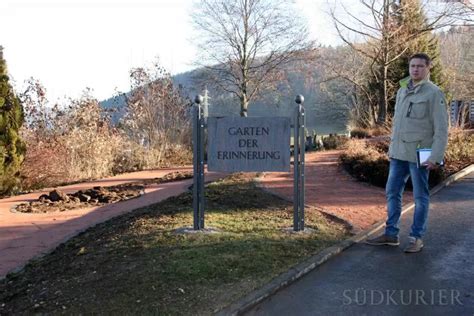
301 269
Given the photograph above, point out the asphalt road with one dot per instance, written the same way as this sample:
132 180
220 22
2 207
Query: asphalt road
382 280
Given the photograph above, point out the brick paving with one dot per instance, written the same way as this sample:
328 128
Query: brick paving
24 235
329 187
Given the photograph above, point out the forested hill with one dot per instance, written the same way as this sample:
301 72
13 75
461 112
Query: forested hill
325 106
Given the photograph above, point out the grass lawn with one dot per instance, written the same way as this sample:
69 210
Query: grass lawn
138 264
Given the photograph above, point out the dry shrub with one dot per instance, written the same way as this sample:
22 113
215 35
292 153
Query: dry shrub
178 155
69 158
130 158
459 154
460 149
334 141
90 140
134 157
157 115
90 155
369 162
381 130
44 164
365 162
76 141
359 132
65 143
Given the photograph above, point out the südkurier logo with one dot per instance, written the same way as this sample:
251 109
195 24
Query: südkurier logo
432 297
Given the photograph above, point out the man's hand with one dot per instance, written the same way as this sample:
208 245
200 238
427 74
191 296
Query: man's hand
430 166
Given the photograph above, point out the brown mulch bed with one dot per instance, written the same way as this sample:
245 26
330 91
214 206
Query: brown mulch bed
57 200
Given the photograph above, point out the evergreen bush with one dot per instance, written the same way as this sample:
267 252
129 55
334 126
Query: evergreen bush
12 148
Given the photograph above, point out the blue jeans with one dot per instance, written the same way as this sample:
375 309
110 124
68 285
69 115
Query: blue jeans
399 173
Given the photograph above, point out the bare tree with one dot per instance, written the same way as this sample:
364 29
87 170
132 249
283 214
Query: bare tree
244 44
341 64
457 51
156 114
465 9
383 41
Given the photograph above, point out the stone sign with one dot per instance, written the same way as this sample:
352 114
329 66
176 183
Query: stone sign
248 144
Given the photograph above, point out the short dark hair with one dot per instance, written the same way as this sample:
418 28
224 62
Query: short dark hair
421 56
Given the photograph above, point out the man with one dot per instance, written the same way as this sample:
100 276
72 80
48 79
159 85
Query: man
420 121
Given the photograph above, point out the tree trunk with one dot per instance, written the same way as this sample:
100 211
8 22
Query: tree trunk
244 104
373 114
383 98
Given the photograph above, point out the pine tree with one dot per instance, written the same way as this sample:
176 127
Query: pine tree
12 148
404 32
415 38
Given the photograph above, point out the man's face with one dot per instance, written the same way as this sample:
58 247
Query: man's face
418 69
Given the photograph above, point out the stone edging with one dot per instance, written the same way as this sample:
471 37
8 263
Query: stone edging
298 271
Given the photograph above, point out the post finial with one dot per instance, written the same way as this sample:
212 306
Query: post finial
198 99
299 99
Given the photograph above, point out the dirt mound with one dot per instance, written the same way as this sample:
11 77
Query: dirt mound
57 200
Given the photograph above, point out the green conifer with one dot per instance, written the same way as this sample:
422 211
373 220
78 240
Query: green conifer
415 38
12 148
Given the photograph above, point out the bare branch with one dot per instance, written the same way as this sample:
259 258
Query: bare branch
247 42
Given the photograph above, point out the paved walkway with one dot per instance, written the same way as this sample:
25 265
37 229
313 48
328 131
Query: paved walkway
24 236
331 188
368 280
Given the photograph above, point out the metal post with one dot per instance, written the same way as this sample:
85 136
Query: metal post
301 169
201 169
471 112
296 199
198 165
195 167
299 145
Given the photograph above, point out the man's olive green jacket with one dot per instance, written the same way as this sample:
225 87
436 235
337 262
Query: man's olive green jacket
420 121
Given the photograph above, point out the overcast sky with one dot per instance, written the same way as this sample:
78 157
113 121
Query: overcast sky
72 44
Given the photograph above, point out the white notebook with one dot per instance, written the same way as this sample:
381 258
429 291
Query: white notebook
422 155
